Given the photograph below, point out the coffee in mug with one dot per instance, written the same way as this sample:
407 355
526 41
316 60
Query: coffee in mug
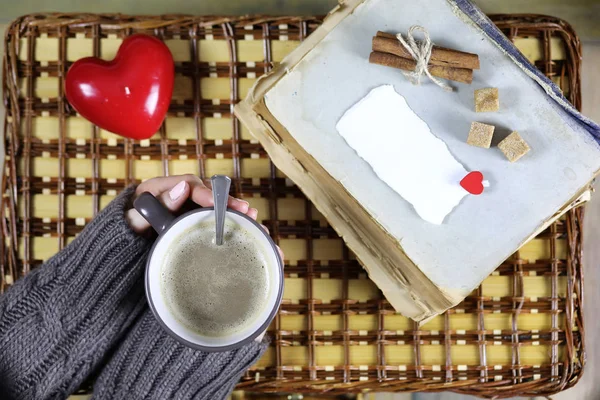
215 290
209 297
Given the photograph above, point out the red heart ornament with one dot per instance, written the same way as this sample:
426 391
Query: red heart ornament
473 182
129 95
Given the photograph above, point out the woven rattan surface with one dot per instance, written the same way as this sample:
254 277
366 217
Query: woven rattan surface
521 332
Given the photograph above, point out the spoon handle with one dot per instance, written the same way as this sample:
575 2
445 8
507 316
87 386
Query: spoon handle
220 188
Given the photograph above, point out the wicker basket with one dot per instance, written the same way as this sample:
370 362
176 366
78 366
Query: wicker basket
521 332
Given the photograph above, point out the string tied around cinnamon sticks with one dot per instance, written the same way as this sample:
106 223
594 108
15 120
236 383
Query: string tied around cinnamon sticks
444 63
421 53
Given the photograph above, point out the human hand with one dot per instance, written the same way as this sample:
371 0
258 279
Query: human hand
173 191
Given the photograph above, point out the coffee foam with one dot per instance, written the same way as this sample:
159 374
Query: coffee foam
215 290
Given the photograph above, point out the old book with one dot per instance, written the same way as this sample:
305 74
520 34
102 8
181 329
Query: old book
423 268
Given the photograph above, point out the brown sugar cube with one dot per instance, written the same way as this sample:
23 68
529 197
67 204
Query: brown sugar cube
480 135
486 100
513 146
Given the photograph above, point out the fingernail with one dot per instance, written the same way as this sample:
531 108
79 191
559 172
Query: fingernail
242 202
177 191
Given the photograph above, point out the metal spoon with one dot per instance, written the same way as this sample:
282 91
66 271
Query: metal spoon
220 188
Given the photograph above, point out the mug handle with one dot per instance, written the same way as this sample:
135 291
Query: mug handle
154 212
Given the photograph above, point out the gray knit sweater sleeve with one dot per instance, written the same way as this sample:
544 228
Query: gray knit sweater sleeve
84 310
149 364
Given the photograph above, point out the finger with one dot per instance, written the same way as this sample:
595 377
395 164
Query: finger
252 213
203 196
136 221
165 183
172 199
239 205
266 229
281 254
200 193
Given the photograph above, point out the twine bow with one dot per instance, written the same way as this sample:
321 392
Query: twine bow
421 53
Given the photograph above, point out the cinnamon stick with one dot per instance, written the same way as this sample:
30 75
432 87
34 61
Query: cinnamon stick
463 75
388 43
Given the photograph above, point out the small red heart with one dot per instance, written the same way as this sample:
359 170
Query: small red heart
473 182
129 95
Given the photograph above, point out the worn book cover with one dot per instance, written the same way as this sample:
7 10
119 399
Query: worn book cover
382 157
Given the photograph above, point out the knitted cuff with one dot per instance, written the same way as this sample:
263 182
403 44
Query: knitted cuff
149 364
57 323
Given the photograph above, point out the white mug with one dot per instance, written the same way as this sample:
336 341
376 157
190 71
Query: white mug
169 229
